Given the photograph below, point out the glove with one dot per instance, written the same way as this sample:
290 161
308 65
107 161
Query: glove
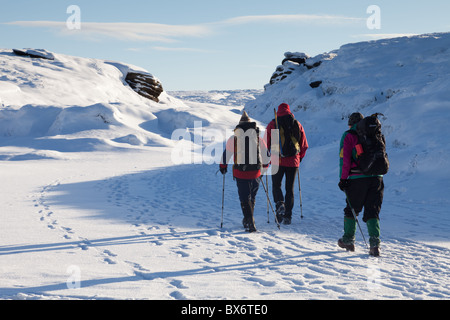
344 184
223 170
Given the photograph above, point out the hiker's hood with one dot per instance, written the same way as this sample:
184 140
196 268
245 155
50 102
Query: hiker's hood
283 109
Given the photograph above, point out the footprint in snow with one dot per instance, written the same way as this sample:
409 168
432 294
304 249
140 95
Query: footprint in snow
177 295
178 284
182 254
262 282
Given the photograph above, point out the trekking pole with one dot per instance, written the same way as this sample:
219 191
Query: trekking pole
300 194
268 200
267 184
223 196
356 219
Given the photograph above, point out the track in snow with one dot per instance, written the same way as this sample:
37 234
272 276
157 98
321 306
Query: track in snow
174 214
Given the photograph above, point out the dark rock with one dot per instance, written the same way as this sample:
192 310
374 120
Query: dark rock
315 84
274 77
292 62
20 53
35 53
294 59
314 65
297 57
145 84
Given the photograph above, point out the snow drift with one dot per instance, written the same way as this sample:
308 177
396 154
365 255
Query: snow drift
65 99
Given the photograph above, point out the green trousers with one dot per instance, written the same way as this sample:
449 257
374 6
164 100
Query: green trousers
373 227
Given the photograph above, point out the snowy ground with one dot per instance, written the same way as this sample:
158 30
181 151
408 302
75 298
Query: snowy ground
94 207
131 225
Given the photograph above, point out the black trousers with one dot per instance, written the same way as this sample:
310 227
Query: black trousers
365 193
247 189
289 173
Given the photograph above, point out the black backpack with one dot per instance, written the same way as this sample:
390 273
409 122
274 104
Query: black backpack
246 147
289 135
371 148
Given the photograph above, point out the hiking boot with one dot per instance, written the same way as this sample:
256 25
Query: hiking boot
373 226
279 219
348 239
280 212
349 246
287 219
249 224
245 223
374 251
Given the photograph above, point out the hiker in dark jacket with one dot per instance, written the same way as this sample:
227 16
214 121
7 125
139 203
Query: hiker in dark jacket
362 191
248 165
288 166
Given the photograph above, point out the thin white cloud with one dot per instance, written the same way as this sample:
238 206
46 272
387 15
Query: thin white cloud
155 32
148 32
174 49
134 49
291 18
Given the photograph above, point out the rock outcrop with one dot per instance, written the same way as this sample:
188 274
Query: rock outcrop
35 53
294 62
144 84
290 63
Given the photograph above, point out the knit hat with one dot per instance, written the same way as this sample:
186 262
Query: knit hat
284 107
245 117
354 118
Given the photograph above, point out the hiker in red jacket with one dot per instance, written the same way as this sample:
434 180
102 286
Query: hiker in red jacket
292 151
249 153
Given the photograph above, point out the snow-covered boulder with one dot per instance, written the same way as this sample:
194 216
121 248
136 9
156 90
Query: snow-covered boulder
297 57
297 62
145 84
35 53
140 80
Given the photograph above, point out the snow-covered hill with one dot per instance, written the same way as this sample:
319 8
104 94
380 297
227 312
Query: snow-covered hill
406 79
93 205
73 104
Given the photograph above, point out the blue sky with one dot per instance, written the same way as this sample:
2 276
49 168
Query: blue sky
209 44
